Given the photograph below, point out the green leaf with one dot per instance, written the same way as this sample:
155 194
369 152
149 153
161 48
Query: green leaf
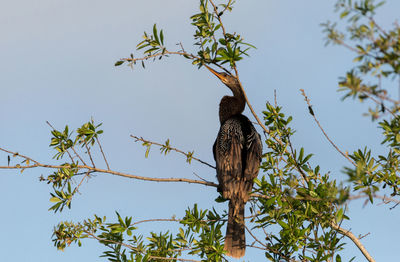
283 224
155 34
147 152
252 46
118 63
162 37
398 138
344 14
55 200
339 215
150 50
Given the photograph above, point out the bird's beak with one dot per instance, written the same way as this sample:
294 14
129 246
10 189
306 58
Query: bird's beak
223 79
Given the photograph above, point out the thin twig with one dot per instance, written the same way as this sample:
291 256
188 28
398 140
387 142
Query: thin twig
226 7
377 25
199 176
341 42
158 220
379 103
384 198
365 235
166 52
80 183
73 149
323 131
380 96
172 148
104 156
254 246
15 154
90 155
254 237
219 18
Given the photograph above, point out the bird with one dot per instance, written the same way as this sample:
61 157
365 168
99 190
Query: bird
237 152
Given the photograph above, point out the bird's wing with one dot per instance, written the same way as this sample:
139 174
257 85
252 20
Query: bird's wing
252 162
228 156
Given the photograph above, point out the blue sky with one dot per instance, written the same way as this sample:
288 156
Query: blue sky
56 64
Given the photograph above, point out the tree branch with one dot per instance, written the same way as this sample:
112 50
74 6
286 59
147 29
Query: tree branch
171 148
355 240
323 131
101 150
99 170
166 52
384 198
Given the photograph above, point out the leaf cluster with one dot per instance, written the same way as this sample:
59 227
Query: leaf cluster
377 54
301 203
200 236
374 173
215 45
153 46
377 65
64 143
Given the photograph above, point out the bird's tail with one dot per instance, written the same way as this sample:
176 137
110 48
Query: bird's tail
235 241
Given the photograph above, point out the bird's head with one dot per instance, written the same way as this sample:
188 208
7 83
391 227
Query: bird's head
228 79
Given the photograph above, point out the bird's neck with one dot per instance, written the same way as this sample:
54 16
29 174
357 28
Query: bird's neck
230 106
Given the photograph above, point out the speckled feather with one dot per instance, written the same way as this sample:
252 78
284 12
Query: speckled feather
237 152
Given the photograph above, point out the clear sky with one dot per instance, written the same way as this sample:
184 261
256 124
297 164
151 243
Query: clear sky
56 65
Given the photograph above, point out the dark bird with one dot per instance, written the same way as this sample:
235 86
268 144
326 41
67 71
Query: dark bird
237 153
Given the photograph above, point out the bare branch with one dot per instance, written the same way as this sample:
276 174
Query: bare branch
323 131
165 53
101 149
254 237
171 148
369 94
73 149
158 220
80 183
355 240
90 154
385 199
